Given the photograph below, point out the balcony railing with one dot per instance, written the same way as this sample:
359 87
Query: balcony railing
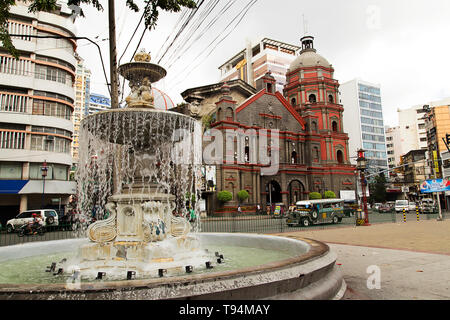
24 29
13 102
21 66
12 139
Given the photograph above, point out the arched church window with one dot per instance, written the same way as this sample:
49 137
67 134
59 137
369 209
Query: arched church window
293 102
340 156
229 114
330 98
293 157
314 126
312 98
334 126
247 153
219 114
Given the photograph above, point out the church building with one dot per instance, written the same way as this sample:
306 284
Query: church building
302 126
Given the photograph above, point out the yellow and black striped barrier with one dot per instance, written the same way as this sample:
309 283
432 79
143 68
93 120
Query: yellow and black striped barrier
417 212
404 215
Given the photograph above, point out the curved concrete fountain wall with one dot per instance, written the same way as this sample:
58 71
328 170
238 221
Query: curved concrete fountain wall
311 273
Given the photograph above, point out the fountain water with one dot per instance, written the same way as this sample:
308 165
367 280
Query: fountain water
135 163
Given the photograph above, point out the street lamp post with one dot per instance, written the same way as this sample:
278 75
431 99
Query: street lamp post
361 166
44 170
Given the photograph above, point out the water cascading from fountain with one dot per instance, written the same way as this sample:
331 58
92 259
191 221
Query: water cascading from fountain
139 172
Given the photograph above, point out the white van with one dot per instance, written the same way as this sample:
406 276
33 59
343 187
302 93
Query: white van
400 205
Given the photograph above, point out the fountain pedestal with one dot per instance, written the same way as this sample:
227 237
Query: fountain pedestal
141 233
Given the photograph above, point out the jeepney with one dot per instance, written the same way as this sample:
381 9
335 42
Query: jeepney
310 212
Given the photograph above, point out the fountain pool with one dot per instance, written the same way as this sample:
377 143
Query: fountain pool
254 267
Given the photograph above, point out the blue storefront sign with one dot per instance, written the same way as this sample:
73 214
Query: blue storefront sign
435 185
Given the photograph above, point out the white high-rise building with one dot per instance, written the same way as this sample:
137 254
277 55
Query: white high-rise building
82 95
363 122
36 108
393 146
412 129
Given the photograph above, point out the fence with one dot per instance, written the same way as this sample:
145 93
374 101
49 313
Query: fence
230 222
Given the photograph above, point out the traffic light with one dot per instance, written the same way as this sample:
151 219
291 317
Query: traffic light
447 138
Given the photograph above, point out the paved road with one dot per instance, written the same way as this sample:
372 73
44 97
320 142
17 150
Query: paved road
413 258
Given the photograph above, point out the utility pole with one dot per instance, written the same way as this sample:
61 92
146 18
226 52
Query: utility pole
113 57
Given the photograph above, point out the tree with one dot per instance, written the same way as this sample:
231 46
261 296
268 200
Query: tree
224 196
150 14
378 189
243 195
329 195
315 196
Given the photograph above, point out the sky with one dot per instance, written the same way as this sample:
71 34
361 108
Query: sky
402 45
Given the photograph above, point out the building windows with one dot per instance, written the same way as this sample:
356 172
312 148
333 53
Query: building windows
44 72
51 108
11 170
340 156
334 126
373 114
372 129
54 172
312 98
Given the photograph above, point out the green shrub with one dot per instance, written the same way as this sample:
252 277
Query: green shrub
243 195
224 196
315 196
329 195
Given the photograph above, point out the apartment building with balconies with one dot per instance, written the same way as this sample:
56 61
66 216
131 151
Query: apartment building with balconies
36 111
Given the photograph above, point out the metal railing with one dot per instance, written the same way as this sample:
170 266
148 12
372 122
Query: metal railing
230 222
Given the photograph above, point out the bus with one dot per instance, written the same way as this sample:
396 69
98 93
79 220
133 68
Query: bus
309 212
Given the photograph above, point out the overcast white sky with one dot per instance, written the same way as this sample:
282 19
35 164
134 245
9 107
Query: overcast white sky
403 45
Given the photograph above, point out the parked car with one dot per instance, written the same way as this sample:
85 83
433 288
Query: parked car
412 206
427 206
49 218
400 205
377 206
385 207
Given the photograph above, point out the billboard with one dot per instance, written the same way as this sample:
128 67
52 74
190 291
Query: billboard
435 185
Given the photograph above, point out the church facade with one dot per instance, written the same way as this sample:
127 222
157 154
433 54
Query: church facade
279 147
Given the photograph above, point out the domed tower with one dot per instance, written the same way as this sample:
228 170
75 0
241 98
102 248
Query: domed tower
314 94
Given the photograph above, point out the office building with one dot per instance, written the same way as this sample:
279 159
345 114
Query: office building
363 121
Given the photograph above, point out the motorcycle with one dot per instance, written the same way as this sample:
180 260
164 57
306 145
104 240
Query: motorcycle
25 231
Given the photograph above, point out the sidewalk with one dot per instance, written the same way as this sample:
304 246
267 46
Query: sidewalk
413 258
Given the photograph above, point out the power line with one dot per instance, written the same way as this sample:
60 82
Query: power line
203 32
135 30
191 15
76 38
193 28
246 9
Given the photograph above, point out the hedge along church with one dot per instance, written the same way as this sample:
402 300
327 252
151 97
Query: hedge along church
302 127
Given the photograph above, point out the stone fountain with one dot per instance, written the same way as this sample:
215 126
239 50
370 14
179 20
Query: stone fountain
143 232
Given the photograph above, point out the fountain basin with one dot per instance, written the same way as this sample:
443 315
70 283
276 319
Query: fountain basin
309 273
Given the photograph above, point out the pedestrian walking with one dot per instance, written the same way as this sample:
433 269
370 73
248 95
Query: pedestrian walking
239 209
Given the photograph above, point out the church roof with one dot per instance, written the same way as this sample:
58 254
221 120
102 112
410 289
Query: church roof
280 98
